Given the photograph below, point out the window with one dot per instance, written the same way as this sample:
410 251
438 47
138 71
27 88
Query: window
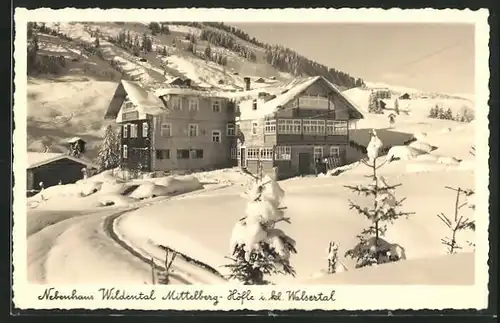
313 101
254 105
193 104
133 131
314 127
306 124
266 153
125 130
321 127
163 154
131 115
252 153
289 126
334 151
145 128
127 105
234 153
283 153
197 153
330 127
255 124
318 152
230 129
182 153
340 127
193 130
125 151
297 125
176 103
216 137
216 106
166 130
270 127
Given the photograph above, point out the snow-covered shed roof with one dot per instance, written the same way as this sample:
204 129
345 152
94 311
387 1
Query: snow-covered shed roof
284 93
145 100
75 139
38 159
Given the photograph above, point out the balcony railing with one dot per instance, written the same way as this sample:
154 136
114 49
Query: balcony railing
313 127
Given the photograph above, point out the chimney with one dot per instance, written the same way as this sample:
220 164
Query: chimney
247 83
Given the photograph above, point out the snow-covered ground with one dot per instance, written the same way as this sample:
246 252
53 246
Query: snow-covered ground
73 225
199 224
116 226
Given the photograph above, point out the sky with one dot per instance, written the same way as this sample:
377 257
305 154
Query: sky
429 57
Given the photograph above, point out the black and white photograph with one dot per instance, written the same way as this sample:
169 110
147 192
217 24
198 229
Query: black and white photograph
287 159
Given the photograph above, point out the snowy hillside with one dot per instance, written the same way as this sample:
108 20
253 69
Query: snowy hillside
73 101
57 103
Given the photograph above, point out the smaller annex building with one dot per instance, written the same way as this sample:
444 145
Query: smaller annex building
54 168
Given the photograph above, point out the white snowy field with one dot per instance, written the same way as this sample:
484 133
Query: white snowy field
199 224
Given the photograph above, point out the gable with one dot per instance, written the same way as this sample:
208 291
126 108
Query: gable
116 102
323 88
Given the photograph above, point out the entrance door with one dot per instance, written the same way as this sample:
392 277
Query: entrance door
243 157
304 163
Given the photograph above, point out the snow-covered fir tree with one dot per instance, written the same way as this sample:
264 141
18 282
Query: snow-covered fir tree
258 248
109 152
372 249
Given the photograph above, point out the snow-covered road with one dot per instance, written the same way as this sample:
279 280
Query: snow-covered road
76 246
84 249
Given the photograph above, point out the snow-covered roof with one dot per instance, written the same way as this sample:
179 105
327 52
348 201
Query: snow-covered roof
143 99
284 93
38 159
185 91
75 139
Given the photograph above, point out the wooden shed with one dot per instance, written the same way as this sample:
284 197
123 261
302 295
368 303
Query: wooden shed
54 168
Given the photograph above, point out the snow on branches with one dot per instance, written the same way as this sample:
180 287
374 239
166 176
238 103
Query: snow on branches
259 248
385 210
109 152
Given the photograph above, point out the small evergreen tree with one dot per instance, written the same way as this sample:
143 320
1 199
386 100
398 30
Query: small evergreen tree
155 28
258 248
448 115
208 52
372 249
441 113
97 42
109 153
458 223
433 112
335 265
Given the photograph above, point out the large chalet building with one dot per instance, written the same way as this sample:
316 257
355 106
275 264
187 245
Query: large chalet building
175 128
291 127
281 129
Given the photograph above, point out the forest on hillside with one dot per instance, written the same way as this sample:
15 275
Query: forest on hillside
280 57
